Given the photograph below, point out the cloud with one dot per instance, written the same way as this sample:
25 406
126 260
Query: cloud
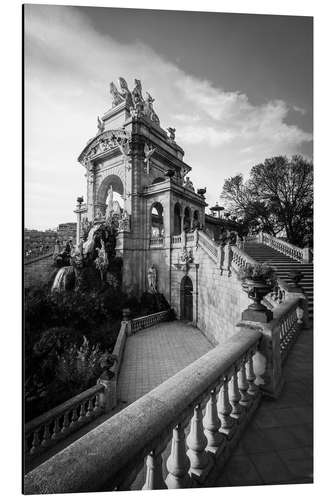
68 68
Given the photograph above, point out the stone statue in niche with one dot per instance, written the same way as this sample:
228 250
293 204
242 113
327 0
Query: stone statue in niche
100 126
116 96
152 279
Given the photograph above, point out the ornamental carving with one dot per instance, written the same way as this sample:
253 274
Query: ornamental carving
107 141
138 106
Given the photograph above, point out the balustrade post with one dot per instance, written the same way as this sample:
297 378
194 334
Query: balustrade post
235 395
225 408
251 377
243 385
306 255
178 463
212 424
154 476
197 442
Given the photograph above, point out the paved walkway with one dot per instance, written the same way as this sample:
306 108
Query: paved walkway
277 446
155 354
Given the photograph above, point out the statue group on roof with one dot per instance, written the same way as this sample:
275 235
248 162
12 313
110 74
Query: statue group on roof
134 100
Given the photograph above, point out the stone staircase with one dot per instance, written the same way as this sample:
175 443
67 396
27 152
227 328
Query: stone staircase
283 265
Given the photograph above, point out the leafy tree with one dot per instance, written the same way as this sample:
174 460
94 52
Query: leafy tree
278 196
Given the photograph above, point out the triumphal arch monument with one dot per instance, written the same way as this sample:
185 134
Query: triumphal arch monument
136 169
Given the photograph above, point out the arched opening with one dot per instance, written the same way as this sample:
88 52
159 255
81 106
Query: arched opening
186 299
177 220
196 219
158 179
187 219
156 218
110 195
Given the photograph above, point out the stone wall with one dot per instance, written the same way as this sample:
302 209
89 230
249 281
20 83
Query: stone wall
218 300
38 271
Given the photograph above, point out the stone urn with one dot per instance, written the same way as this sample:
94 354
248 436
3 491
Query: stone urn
256 290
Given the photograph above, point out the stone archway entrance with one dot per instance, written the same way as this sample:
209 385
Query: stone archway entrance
186 299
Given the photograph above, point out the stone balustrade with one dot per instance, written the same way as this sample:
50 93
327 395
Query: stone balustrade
251 237
296 253
278 335
290 321
175 240
44 431
216 396
240 259
156 242
208 244
147 321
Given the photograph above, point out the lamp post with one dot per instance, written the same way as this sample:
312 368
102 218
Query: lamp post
78 211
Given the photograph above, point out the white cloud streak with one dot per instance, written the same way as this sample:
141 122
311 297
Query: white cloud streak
68 69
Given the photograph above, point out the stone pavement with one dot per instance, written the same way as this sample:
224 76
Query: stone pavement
153 355
277 447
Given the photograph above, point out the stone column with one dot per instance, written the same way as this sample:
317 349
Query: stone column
78 223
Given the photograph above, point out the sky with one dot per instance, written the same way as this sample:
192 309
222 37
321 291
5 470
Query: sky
237 88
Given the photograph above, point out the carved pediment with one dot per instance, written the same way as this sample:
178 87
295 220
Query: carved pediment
107 141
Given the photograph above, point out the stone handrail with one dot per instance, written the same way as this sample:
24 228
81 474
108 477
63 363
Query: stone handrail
45 430
156 242
240 259
208 244
222 383
296 253
147 321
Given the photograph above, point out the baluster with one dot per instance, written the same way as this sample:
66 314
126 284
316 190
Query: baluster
82 412
56 429
253 388
225 408
35 442
243 386
178 463
154 475
212 424
90 409
98 402
65 423
46 435
197 442
74 418
235 396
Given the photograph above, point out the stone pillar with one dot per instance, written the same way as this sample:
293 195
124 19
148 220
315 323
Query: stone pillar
267 360
78 222
306 255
